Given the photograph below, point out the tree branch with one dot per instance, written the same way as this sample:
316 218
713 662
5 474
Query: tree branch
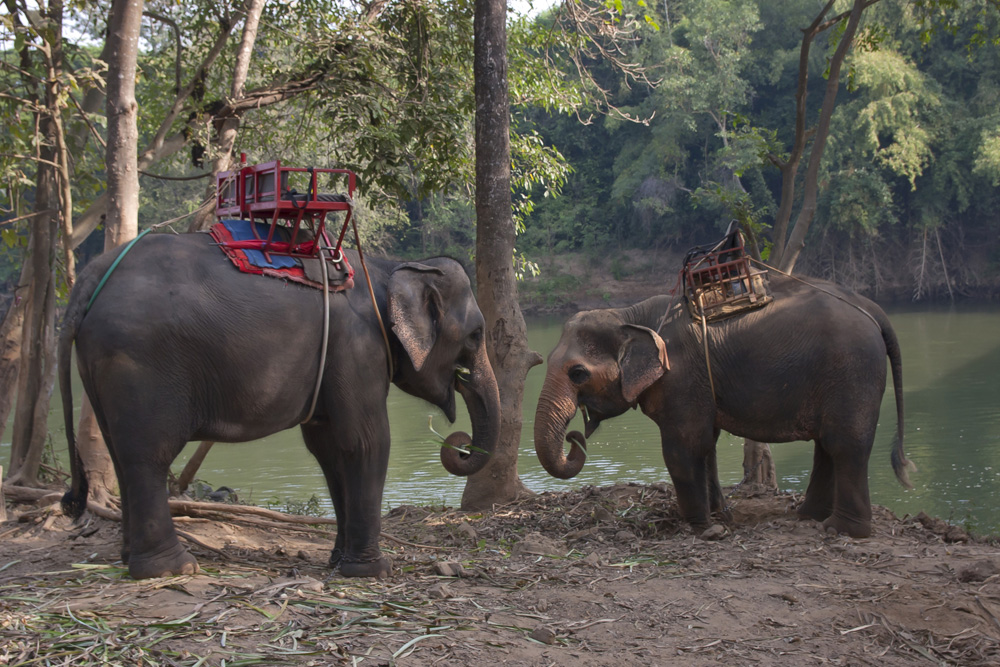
177 41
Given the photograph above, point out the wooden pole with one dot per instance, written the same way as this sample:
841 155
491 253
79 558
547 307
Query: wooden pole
3 501
187 475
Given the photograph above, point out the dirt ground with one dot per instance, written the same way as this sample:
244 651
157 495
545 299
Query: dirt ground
598 576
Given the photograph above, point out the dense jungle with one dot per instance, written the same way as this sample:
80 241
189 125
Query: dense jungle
659 158
864 135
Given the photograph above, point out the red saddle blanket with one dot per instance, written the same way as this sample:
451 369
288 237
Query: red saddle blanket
242 246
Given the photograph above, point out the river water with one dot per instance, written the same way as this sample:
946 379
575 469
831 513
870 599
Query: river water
951 366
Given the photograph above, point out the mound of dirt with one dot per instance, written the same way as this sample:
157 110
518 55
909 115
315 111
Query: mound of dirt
597 576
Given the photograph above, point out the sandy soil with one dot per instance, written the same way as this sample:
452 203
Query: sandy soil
605 576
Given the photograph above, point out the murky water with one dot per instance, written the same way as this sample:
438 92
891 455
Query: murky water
951 366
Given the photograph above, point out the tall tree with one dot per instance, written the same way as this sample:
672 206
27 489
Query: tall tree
121 224
788 244
122 221
496 287
53 207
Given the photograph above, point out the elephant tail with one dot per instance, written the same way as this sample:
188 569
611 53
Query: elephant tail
900 464
74 502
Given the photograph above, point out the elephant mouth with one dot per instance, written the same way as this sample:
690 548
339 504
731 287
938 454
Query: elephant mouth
462 376
591 420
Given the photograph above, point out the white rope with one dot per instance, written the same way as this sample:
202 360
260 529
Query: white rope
326 328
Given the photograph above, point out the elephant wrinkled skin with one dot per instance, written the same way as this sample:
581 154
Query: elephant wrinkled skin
809 366
181 346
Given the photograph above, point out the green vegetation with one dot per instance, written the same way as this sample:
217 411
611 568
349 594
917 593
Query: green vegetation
655 141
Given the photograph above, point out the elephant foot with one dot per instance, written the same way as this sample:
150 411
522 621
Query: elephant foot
379 568
336 556
174 561
725 515
814 511
839 525
699 524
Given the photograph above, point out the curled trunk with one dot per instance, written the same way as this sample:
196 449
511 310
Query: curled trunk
557 405
464 455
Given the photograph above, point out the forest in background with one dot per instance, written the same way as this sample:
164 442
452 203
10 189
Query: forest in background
660 154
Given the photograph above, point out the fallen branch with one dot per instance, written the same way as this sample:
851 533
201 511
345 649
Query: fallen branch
195 540
192 508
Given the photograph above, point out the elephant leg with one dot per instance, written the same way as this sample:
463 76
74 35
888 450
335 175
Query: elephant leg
314 437
818 503
150 542
852 510
355 474
689 473
716 499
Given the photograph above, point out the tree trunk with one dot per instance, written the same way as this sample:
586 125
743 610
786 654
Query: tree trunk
506 333
797 239
758 466
10 349
38 354
122 221
228 127
3 501
97 463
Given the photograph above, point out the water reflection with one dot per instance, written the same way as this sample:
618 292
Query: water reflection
951 362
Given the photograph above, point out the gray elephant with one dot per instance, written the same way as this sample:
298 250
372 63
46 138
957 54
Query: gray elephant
811 365
180 346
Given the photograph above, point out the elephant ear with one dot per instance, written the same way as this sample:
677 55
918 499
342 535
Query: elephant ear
642 360
414 307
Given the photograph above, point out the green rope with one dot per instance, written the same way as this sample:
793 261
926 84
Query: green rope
107 274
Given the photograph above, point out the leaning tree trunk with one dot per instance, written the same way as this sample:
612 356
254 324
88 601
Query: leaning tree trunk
228 127
506 333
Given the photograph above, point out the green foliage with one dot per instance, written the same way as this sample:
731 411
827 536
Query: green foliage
914 138
987 161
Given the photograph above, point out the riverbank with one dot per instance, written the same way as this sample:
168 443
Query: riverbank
594 576
572 282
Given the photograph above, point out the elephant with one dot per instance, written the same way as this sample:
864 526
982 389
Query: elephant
180 346
810 365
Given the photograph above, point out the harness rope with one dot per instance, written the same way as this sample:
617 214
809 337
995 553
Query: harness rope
817 287
326 326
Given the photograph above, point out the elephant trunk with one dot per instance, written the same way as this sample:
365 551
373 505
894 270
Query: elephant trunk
464 455
557 405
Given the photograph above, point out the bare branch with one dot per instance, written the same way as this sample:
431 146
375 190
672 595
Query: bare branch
34 158
225 28
169 22
83 115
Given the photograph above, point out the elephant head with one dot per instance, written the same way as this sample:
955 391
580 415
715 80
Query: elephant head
601 365
436 320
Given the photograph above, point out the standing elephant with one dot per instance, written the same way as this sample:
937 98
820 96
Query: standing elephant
811 365
180 346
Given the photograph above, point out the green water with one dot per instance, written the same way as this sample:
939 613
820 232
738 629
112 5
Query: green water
951 366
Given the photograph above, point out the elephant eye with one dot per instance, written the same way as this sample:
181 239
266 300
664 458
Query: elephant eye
474 340
578 374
